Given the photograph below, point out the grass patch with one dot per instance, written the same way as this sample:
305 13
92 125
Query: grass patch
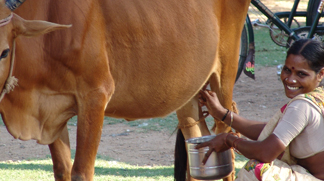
267 53
105 169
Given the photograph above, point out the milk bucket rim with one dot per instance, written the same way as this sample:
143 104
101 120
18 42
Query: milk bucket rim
202 138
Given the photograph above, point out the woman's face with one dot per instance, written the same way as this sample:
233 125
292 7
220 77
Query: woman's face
297 77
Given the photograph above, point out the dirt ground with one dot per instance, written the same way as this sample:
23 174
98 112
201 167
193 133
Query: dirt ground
256 99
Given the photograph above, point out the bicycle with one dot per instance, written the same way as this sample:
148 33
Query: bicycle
285 35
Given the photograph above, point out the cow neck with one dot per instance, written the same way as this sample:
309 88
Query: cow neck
11 81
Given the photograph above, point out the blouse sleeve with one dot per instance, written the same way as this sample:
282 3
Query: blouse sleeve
293 121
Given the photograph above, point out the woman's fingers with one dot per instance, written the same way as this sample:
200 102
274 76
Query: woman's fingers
205 95
201 100
201 145
201 104
209 152
205 86
211 93
208 94
201 97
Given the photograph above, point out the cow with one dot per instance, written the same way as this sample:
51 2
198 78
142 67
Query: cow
129 59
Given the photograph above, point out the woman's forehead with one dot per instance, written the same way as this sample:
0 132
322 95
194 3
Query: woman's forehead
297 62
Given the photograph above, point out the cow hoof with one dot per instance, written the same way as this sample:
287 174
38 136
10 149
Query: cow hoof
62 177
78 178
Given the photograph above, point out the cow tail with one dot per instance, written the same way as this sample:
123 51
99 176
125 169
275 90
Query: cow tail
180 158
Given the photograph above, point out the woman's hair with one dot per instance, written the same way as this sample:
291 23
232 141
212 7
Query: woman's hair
311 50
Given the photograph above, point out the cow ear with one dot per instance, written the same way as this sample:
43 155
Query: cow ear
31 28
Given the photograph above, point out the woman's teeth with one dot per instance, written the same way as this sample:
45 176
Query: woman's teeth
292 88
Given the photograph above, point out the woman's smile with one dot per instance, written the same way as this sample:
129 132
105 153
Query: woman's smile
292 88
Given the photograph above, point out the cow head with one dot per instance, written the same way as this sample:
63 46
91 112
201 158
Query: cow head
12 26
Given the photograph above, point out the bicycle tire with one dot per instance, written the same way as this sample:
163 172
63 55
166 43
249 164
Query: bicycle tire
302 33
311 11
278 36
243 52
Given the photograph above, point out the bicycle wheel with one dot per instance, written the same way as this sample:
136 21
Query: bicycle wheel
303 33
277 35
311 11
243 52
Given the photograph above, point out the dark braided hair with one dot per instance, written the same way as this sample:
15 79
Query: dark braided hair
311 50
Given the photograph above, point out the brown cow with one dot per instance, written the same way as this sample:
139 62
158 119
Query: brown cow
125 59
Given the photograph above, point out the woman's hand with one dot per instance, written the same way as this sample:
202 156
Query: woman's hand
209 99
217 144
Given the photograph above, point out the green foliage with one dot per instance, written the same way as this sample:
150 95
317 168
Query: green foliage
1 122
267 53
105 169
41 170
107 121
168 123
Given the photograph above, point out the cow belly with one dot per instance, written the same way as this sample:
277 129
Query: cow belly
160 57
155 100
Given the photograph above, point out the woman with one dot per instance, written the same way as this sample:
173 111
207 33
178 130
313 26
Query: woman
291 145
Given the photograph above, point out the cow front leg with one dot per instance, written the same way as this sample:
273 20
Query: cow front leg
61 156
188 117
89 128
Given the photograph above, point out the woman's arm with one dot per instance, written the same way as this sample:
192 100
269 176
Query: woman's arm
264 151
248 128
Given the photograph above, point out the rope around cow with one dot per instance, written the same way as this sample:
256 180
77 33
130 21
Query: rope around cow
205 114
11 81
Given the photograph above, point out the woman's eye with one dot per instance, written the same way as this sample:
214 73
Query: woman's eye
301 74
286 70
5 53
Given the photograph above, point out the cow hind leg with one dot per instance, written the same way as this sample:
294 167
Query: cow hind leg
191 126
61 156
223 85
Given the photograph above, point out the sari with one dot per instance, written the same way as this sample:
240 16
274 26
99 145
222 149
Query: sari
285 167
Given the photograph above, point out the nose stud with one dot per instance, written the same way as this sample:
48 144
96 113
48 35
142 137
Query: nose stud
294 81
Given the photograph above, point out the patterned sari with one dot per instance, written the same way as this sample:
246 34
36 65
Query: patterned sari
286 167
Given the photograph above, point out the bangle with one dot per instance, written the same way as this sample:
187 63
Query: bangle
237 140
226 141
235 146
234 134
232 119
225 115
